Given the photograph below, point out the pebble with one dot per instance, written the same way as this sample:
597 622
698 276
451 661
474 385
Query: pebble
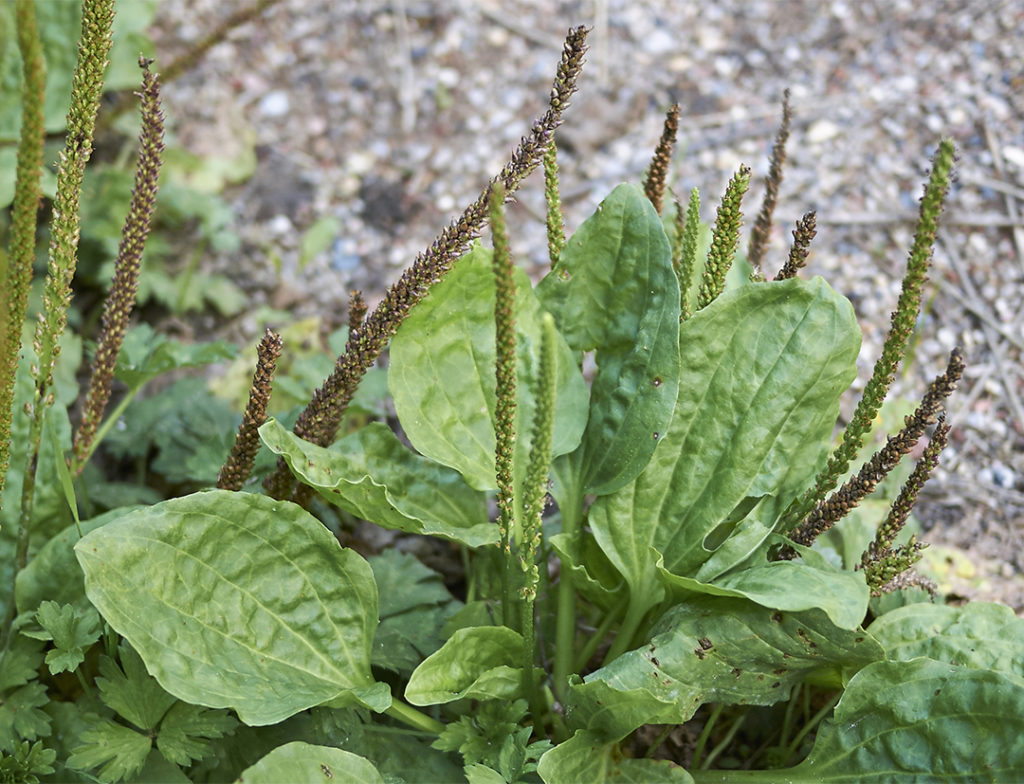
275 104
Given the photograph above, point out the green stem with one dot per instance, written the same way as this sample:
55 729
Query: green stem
530 686
565 629
109 422
812 724
623 640
610 618
787 721
662 737
723 744
705 733
409 715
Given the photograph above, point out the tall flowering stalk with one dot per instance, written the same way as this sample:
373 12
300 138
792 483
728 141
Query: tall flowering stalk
725 236
86 84
17 275
684 257
319 421
805 231
763 225
555 221
903 320
657 172
120 301
239 464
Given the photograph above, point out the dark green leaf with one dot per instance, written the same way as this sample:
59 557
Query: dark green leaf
482 662
20 716
146 354
614 290
117 751
132 692
73 632
20 662
186 732
441 374
716 650
371 474
238 600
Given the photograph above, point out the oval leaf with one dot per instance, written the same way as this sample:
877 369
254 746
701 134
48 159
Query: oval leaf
442 379
981 635
585 757
372 475
481 662
920 720
763 367
298 761
715 650
236 600
613 290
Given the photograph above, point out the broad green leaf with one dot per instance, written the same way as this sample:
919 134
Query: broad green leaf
372 475
980 635
239 601
713 649
586 757
414 607
53 573
298 761
146 354
117 751
481 662
441 374
920 720
763 368
792 586
613 290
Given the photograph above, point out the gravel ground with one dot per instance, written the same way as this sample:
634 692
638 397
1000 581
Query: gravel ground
390 117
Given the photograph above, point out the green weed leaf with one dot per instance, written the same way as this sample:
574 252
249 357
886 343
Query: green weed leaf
236 600
920 719
26 763
715 650
20 716
146 354
371 474
73 632
305 762
586 757
481 662
186 732
981 635
132 693
614 290
117 751
441 374
765 366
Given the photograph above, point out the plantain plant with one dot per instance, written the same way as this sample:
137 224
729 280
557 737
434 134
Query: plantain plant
651 601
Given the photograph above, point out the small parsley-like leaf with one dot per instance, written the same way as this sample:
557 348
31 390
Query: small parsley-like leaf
481 774
133 693
186 730
26 763
480 738
20 716
21 663
73 632
120 750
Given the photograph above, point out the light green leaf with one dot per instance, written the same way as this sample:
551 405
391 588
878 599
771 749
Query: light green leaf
318 238
614 290
186 731
981 635
481 662
920 720
372 475
441 374
305 762
715 650
481 774
585 757
132 692
792 586
763 367
119 750
239 601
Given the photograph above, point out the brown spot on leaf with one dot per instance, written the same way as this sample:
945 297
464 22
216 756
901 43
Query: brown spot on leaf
705 643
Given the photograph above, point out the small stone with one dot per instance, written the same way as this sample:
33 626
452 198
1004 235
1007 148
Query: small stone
275 104
822 131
